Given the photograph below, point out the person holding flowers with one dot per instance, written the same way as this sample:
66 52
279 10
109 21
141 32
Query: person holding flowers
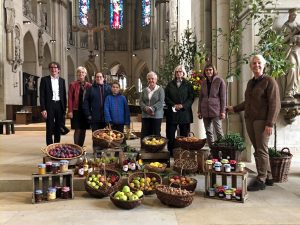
212 103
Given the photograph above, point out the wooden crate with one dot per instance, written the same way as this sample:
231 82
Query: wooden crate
43 182
224 178
162 156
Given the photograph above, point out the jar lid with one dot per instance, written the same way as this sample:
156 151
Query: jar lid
49 163
52 189
38 191
55 164
227 165
42 165
64 162
241 164
224 161
217 164
228 192
209 161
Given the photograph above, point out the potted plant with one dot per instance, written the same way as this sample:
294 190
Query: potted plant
229 146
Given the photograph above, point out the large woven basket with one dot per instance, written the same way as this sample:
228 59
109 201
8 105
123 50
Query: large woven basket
75 147
144 175
153 148
156 169
183 142
280 166
125 204
172 199
105 190
185 166
103 143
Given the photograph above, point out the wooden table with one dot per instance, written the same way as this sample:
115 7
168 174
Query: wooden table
23 117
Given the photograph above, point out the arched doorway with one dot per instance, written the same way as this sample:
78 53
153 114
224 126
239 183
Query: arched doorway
47 60
71 70
30 55
117 72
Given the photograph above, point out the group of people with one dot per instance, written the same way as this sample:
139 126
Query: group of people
95 105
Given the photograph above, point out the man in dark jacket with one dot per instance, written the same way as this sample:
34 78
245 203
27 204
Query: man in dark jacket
179 97
53 101
93 105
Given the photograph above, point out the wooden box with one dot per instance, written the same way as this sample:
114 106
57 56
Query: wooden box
232 179
43 182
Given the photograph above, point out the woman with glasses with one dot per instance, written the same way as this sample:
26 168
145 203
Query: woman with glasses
76 93
212 103
179 99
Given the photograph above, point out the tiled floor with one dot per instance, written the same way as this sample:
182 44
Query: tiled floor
20 153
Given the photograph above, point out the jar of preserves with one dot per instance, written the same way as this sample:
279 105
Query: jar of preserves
63 166
38 195
55 168
65 192
48 167
51 193
227 168
42 169
211 192
218 166
228 194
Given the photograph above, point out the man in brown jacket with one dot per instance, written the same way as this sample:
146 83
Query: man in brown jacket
262 106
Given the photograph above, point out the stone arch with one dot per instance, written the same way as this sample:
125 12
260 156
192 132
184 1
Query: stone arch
117 72
141 72
30 54
46 60
91 70
71 70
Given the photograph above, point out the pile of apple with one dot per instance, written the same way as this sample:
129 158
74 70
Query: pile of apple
155 141
144 184
109 135
97 181
127 195
64 151
182 180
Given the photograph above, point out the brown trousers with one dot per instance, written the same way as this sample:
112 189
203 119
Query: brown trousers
260 141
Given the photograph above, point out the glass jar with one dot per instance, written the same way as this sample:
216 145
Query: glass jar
58 191
228 194
48 167
38 195
238 194
241 167
65 192
211 192
233 164
220 191
208 164
63 166
227 168
218 166
51 193
42 169
55 168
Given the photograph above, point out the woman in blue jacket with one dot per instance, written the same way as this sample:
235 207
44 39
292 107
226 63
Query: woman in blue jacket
116 110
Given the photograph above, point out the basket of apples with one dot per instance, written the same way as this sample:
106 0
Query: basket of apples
107 138
102 183
144 181
126 199
153 143
184 182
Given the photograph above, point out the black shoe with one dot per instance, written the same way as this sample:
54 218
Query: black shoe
257 186
269 182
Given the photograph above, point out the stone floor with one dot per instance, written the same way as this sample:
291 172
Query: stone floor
20 153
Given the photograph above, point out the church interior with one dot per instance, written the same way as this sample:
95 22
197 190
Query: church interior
125 40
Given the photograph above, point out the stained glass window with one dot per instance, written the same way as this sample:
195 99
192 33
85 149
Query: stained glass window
84 6
116 14
146 12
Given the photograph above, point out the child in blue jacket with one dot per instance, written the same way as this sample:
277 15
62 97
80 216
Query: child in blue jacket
116 110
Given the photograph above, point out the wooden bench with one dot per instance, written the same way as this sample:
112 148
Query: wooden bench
9 126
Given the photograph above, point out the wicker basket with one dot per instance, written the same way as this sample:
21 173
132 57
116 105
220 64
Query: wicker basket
188 187
144 175
153 148
125 204
189 145
172 199
185 166
156 169
103 191
280 166
52 146
103 143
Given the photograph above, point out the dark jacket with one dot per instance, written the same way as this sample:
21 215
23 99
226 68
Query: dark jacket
92 107
46 93
116 110
73 94
183 95
213 105
262 101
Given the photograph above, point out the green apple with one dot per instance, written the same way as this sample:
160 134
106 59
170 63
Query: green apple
95 179
118 193
131 185
142 180
96 187
139 193
93 184
100 184
129 194
134 197
126 189
90 179
89 182
123 198
93 175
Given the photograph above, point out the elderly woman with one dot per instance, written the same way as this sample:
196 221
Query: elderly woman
179 100
212 102
151 102
262 106
75 100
